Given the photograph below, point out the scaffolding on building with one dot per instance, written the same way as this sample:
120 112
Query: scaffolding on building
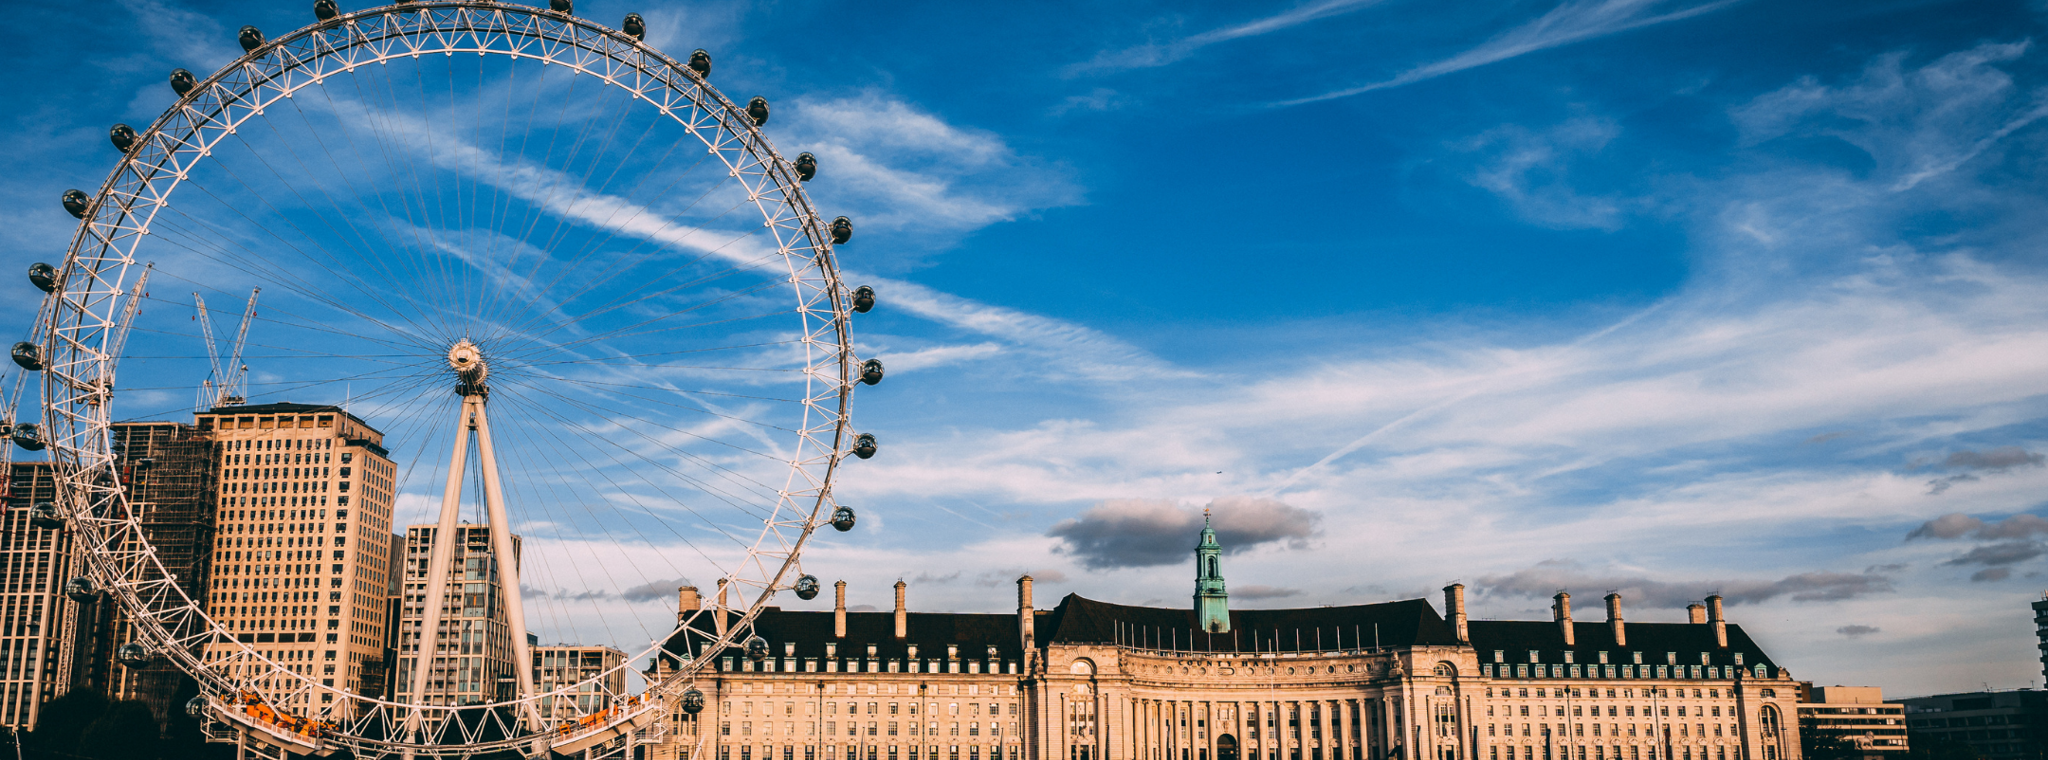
167 469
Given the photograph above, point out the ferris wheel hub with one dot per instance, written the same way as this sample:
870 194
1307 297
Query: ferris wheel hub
467 361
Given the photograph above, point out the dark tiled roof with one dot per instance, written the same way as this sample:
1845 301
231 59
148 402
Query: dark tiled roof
1516 638
1405 623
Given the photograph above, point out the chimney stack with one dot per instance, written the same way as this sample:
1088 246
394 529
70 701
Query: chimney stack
1563 609
687 601
1614 619
1696 613
718 613
1026 616
1720 623
1454 607
839 610
902 615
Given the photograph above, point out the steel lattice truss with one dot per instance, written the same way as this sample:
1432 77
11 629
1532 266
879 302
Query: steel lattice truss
82 327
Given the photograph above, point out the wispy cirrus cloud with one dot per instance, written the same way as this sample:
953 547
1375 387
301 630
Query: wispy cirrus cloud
902 168
1547 577
1571 22
1153 54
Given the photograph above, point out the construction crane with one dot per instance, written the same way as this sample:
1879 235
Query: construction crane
225 387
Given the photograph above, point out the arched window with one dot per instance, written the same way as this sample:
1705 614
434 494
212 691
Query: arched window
1446 669
1212 567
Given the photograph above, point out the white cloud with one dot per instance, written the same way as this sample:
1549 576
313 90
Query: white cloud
1152 54
1530 171
1570 22
1915 124
893 166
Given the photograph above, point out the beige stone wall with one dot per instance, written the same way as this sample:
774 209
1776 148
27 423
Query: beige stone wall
1103 702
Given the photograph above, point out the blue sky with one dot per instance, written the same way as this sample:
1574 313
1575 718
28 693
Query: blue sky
1665 297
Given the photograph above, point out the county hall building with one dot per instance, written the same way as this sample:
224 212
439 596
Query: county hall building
1090 680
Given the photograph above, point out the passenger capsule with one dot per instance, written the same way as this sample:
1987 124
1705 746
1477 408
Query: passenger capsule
133 654
700 62
123 137
28 355
693 701
806 166
43 276
182 81
44 515
27 436
807 587
758 109
864 446
76 202
842 230
634 26
81 590
196 706
251 38
863 299
757 649
323 10
871 371
562 6
842 519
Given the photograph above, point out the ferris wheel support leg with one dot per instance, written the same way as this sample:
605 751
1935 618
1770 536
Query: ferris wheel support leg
438 561
508 570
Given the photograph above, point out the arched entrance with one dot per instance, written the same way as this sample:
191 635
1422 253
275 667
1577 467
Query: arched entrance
1226 747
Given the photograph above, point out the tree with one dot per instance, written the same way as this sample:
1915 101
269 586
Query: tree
1930 746
62 721
1818 744
126 730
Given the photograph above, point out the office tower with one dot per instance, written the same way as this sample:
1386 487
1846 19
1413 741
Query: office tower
2041 633
565 664
36 620
472 654
1868 727
394 600
302 554
167 470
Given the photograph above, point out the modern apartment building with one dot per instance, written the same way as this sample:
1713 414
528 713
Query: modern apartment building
1997 725
564 664
472 653
302 552
1859 717
36 620
2041 633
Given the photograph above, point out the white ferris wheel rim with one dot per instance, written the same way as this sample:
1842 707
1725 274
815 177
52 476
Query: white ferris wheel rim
80 322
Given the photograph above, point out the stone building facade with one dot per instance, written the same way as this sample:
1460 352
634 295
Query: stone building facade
1090 680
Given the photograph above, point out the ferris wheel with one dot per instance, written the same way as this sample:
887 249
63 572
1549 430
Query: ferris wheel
476 227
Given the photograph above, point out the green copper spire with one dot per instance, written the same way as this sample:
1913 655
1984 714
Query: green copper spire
1212 603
